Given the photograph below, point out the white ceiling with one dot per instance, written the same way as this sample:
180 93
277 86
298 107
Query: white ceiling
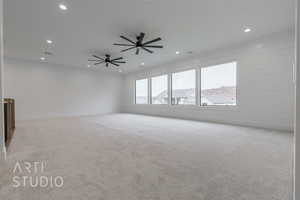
92 26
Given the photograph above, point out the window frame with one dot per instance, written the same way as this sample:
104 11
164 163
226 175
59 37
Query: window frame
196 69
212 64
135 81
150 88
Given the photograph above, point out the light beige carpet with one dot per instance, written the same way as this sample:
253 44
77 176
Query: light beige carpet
135 157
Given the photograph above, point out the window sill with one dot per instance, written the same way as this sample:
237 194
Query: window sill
193 107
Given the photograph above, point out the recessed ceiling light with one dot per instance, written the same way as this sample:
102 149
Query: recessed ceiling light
88 65
247 30
63 6
49 41
42 58
120 70
142 63
177 52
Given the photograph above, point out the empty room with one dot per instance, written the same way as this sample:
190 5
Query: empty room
148 99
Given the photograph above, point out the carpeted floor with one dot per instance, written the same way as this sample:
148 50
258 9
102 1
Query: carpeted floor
135 157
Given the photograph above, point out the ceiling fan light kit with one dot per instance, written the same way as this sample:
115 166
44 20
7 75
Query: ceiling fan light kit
138 45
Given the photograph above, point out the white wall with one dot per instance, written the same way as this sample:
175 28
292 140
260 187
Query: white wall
264 87
2 142
46 91
297 114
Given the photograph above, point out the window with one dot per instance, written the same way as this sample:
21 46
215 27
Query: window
218 85
184 87
159 90
141 91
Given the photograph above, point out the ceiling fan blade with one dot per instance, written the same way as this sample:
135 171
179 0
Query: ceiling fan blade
151 41
154 46
120 58
94 60
147 50
106 65
115 64
99 63
125 45
137 51
128 49
125 38
98 57
118 61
